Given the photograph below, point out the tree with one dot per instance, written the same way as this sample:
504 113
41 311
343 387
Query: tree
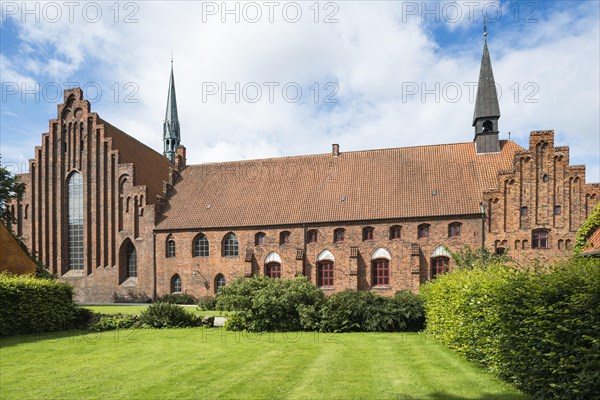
11 188
468 258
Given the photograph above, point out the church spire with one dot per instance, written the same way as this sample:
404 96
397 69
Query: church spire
171 136
487 110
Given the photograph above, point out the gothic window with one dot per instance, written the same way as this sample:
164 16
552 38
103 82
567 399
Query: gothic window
557 210
381 272
200 246
339 235
423 231
539 239
176 284
325 274
312 236
367 233
259 239
231 246
395 232
454 229
219 283
284 237
273 270
130 261
170 248
439 266
75 221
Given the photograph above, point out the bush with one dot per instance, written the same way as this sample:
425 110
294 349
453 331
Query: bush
364 311
167 315
207 303
537 329
265 304
32 305
109 322
177 298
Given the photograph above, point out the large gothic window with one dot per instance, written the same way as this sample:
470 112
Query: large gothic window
131 261
200 246
75 220
230 246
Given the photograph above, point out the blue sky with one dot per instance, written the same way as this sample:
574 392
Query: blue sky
371 74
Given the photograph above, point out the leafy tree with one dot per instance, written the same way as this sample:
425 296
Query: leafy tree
10 189
467 258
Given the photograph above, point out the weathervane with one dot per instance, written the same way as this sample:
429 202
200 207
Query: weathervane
484 27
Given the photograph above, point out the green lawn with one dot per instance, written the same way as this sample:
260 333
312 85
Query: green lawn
136 309
212 363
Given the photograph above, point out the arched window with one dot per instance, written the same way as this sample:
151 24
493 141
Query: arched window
560 244
339 235
367 233
75 220
231 246
273 270
259 239
500 250
454 229
488 126
395 232
381 272
130 261
539 239
325 273
423 231
439 266
219 282
176 284
568 244
524 210
170 250
200 246
284 237
312 236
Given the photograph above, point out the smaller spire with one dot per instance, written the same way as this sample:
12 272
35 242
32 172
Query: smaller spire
171 135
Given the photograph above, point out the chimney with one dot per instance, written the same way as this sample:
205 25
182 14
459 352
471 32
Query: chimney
335 149
180 159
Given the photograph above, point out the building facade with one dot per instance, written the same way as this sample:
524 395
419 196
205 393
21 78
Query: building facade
122 222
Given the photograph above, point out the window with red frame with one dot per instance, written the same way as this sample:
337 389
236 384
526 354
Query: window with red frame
284 237
439 266
325 273
454 229
312 236
395 232
259 239
539 240
367 233
423 231
381 272
339 235
273 270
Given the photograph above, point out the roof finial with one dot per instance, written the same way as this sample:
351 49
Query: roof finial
171 56
484 27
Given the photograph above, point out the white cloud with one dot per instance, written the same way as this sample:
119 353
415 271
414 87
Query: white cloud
371 53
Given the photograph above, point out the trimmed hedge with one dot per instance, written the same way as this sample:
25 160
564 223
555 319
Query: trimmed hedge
168 315
177 298
32 305
537 329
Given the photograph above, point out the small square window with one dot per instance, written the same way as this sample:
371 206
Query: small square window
523 210
557 210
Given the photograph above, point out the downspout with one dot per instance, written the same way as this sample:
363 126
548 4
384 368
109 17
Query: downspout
304 252
154 293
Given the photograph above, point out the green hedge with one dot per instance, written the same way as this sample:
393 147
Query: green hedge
31 305
537 329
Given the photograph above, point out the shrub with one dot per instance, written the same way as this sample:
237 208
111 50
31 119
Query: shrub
265 304
108 322
31 305
537 329
364 311
177 298
207 303
168 315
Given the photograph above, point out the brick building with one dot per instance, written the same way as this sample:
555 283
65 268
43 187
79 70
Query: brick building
122 222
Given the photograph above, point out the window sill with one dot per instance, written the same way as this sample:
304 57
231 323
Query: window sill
381 287
327 288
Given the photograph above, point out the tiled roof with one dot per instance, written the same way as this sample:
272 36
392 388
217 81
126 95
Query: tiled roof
593 243
151 168
393 183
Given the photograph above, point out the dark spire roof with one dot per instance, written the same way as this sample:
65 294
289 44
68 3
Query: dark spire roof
171 128
486 102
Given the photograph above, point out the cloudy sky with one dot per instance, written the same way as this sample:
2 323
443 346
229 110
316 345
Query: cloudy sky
268 79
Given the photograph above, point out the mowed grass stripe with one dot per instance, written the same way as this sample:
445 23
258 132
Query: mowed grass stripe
212 363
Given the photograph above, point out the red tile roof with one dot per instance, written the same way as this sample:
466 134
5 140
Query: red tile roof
593 243
423 181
